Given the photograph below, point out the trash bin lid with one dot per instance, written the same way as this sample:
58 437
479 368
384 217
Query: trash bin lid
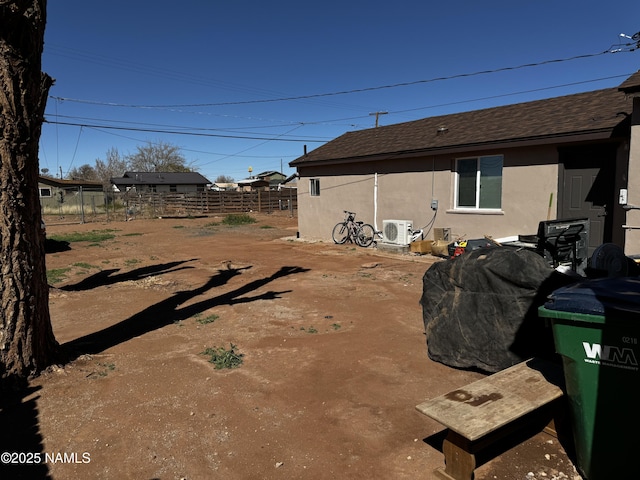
603 296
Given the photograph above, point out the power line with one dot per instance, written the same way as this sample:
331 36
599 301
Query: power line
312 123
163 72
237 130
629 47
502 95
194 134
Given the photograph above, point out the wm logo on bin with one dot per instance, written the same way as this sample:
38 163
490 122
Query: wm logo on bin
597 353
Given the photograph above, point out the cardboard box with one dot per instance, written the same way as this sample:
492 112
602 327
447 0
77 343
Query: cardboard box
442 234
440 248
421 246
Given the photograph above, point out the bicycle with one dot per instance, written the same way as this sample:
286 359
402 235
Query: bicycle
360 233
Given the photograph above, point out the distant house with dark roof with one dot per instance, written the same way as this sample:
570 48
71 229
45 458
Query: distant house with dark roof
263 181
497 171
56 192
161 182
274 178
250 184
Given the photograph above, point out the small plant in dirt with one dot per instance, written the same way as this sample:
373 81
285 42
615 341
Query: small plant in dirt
238 219
205 320
105 368
336 326
132 234
94 236
57 275
84 265
108 366
223 358
131 261
309 330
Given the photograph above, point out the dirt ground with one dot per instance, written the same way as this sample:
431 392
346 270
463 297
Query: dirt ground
334 362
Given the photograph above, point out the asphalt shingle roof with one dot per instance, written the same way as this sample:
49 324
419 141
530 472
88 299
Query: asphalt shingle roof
159 178
597 112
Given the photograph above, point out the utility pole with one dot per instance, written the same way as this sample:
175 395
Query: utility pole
377 114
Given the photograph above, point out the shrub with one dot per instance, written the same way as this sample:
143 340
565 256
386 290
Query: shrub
238 219
223 358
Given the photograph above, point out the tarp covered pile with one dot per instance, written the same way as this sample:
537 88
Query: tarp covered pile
480 309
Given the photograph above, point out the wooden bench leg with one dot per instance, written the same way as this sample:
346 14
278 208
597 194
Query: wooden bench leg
460 461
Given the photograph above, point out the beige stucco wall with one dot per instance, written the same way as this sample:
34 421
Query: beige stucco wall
632 224
405 189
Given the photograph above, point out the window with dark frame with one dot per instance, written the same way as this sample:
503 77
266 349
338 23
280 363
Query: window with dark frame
479 182
45 192
314 187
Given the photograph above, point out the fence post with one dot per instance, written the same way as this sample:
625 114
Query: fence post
81 204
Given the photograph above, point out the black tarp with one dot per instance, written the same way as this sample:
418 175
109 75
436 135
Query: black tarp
480 309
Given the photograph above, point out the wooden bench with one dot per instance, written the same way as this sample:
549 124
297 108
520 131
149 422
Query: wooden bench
493 408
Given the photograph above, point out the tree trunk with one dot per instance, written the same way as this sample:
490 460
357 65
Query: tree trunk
27 344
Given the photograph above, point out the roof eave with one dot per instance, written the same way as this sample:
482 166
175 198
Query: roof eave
593 135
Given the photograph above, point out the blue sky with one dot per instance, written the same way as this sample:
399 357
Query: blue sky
248 83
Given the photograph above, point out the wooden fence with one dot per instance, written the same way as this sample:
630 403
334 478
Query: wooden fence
209 203
153 205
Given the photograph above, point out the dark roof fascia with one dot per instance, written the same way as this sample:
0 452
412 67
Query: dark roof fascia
63 183
631 86
596 135
160 178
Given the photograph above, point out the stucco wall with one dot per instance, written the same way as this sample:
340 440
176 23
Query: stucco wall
405 189
632 225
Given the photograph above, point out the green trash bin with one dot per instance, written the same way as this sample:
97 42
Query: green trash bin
596 330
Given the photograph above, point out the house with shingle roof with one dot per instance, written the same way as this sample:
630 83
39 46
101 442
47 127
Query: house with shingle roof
493 172
161 182
54 192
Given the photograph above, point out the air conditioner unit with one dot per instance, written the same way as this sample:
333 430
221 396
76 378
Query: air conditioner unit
397 232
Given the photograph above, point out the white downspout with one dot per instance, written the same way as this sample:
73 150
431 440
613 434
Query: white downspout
375 202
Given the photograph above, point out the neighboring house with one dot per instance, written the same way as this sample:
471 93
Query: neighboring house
249 184
224 187
55 192
262 181
497 171
274 178
290 182
161 182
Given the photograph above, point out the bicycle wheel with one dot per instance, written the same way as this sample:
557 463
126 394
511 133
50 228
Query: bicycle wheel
365 235
340 233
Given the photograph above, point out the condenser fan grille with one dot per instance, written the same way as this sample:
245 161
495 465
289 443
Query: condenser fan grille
396 231
391 231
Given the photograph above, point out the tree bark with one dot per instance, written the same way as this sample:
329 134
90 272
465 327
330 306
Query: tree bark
27 343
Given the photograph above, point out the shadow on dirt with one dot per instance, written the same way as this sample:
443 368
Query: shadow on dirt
167 311
55 246
107 277
20 438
